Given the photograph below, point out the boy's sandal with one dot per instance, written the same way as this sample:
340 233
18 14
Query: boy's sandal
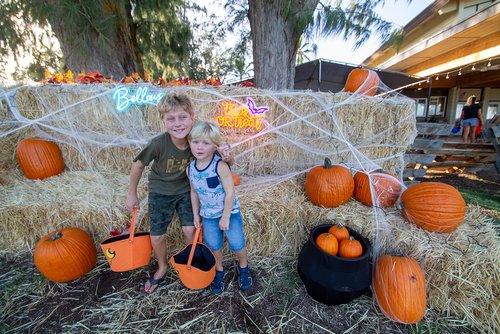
156 283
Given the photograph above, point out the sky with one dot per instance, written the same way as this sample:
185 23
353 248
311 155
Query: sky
337 49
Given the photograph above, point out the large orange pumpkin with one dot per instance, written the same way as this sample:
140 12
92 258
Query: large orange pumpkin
329 186
400 289
39 158
386 187
362 81
327 243
65 255
433 206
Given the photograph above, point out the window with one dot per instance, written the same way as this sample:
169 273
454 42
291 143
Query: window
458 111
472 9
421 107
436 107
492 109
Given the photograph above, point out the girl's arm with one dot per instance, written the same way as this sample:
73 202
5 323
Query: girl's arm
228 185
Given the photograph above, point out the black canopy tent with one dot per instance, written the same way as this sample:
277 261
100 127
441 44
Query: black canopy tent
329 76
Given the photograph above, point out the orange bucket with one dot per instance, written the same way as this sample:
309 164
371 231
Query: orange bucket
128 251
195 264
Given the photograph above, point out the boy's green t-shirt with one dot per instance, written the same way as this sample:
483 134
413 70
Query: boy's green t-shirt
168 172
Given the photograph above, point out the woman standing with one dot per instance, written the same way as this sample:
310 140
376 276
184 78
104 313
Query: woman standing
471 114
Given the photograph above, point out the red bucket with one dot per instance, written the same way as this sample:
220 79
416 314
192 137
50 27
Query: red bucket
128 251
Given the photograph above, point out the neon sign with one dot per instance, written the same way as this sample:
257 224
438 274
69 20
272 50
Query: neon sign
235 115
125 97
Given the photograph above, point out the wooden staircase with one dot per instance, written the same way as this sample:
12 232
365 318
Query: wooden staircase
436 149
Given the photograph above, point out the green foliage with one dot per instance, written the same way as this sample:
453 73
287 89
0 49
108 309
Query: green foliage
482 199
358 19
125 33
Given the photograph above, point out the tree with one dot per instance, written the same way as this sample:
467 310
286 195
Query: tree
117 37
277 26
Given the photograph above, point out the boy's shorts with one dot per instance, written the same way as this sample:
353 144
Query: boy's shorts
213 235
162 208
470 122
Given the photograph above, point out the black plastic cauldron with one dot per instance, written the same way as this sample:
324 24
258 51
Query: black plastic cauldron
333 280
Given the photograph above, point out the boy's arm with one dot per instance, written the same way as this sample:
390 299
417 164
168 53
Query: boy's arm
228 185
132 200
226 153
195 204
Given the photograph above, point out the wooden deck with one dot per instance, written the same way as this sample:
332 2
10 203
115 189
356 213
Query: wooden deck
438 149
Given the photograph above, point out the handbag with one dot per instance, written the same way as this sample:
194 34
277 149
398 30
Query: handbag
195 264
128 251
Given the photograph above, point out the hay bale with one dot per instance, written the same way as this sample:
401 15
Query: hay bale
299 131
462 267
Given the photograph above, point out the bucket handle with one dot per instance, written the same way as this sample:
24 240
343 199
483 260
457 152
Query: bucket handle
132 225
193 246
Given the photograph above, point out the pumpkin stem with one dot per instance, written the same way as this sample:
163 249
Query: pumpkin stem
328 163
55 236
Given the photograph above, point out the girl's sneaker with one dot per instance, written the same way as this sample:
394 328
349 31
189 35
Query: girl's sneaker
218 284
245 278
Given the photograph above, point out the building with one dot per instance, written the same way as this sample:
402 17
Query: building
456 45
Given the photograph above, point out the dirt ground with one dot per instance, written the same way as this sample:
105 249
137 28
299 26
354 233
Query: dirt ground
107 302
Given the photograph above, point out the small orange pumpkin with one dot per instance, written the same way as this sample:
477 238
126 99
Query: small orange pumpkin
65 255
400 288
236 179
433 206
339 232
386 187
329 186
350 248
327 243
362 81
39 158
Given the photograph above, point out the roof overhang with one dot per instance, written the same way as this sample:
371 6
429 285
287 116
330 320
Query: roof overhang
471 41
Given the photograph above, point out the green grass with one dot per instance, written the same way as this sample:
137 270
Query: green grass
480 198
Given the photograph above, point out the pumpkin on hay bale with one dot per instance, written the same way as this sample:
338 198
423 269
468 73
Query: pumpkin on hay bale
362 81
385 185
329 185
39 159
65 255
433 206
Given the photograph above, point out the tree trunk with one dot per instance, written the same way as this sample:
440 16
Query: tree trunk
275 38
112 51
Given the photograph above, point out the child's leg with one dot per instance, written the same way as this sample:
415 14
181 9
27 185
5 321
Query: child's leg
218 260
242 258
188 232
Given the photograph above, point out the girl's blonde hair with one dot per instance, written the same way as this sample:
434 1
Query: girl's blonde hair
208 130
174 100
471 100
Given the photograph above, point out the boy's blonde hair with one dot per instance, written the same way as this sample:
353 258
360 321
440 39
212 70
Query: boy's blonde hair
174 100
206 130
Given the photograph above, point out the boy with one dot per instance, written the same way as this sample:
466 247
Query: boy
213 198
168 184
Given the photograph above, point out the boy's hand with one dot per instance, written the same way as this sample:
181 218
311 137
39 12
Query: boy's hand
197 221
226 153
224 224
132 202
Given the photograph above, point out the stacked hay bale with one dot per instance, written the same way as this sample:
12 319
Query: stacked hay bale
299 130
